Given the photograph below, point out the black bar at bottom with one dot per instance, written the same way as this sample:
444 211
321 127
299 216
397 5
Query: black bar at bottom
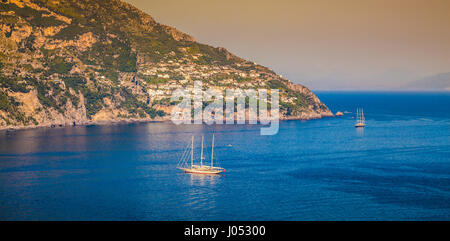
224 230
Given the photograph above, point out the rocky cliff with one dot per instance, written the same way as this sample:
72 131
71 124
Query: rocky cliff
65 62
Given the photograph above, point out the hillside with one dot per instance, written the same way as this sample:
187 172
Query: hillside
435 82
67 62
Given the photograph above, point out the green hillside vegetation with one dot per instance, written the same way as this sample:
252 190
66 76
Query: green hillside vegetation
101 50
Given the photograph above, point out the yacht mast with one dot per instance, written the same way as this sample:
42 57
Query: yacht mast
195 168
357 115
212 151
192 151
363 120
359 120
201 155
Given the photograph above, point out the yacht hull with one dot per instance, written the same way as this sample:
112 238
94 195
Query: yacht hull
203 170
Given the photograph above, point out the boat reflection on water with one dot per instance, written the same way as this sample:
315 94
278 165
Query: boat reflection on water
204 180
203 191
360 132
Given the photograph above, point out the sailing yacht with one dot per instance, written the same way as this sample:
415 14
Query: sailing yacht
198 169
360 120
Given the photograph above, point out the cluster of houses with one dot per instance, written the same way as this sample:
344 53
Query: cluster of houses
161 79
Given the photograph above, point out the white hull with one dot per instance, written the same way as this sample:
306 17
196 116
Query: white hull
203 170
360 125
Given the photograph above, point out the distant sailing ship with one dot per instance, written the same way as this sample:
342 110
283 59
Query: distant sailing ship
360 120
198 169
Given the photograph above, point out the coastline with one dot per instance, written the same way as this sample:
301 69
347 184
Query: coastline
86 123
144 120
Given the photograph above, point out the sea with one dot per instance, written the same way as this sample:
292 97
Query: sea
396 168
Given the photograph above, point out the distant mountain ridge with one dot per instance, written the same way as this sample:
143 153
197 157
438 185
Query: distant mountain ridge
65 62
435 82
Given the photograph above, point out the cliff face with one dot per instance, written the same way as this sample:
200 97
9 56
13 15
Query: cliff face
75 61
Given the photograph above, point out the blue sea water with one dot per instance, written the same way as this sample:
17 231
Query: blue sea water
397 168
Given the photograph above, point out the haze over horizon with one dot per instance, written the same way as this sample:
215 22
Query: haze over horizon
352 45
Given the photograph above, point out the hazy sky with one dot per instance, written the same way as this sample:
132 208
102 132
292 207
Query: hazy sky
324 44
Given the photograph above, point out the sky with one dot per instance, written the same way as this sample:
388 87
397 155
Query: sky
323 44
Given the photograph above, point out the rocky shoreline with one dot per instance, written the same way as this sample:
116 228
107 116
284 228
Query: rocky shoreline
145 120
85 123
